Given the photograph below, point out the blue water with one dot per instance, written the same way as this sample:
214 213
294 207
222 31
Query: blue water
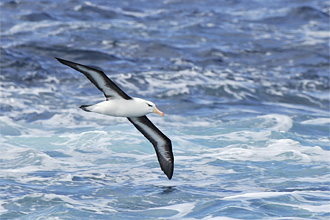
245 90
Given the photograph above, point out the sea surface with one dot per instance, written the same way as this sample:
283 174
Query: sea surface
244 86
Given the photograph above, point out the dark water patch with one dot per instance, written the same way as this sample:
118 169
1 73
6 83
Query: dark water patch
45 173
318 130
35 17
5 108
57 154
38 116
165 190
52 51
308 13
298 16
9 130
11 4
157 50
19 67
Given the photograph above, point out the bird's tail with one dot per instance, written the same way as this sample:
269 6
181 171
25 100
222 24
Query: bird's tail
86 108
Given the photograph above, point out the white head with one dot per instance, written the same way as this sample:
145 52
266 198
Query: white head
152 108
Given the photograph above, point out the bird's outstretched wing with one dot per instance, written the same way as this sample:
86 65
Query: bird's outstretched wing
99 79
161 143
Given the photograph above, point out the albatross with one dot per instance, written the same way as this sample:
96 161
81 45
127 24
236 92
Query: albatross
117 103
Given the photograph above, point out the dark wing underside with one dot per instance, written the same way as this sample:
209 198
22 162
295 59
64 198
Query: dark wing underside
99 79
161 143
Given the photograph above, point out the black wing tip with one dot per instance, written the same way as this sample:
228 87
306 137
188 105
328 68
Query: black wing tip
74 66
60 60
167 165
85 108
169 173
65 62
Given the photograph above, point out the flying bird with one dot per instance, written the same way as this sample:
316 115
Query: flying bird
119 104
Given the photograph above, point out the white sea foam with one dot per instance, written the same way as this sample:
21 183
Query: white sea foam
258 129
298 195
19 161
275 122
277 150
2 209
313 37
182 209
138 14
257 195
97 206
174 83
317 121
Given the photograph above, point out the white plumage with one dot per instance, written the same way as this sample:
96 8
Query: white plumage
134 107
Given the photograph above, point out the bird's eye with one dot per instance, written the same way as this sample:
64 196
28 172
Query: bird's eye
149 105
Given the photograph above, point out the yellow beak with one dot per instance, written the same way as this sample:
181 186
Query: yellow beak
158 112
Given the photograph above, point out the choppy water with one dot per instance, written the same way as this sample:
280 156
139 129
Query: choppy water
245 90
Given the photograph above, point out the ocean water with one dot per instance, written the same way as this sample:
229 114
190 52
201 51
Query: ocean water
245 90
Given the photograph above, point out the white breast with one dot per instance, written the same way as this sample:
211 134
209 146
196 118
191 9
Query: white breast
121 107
